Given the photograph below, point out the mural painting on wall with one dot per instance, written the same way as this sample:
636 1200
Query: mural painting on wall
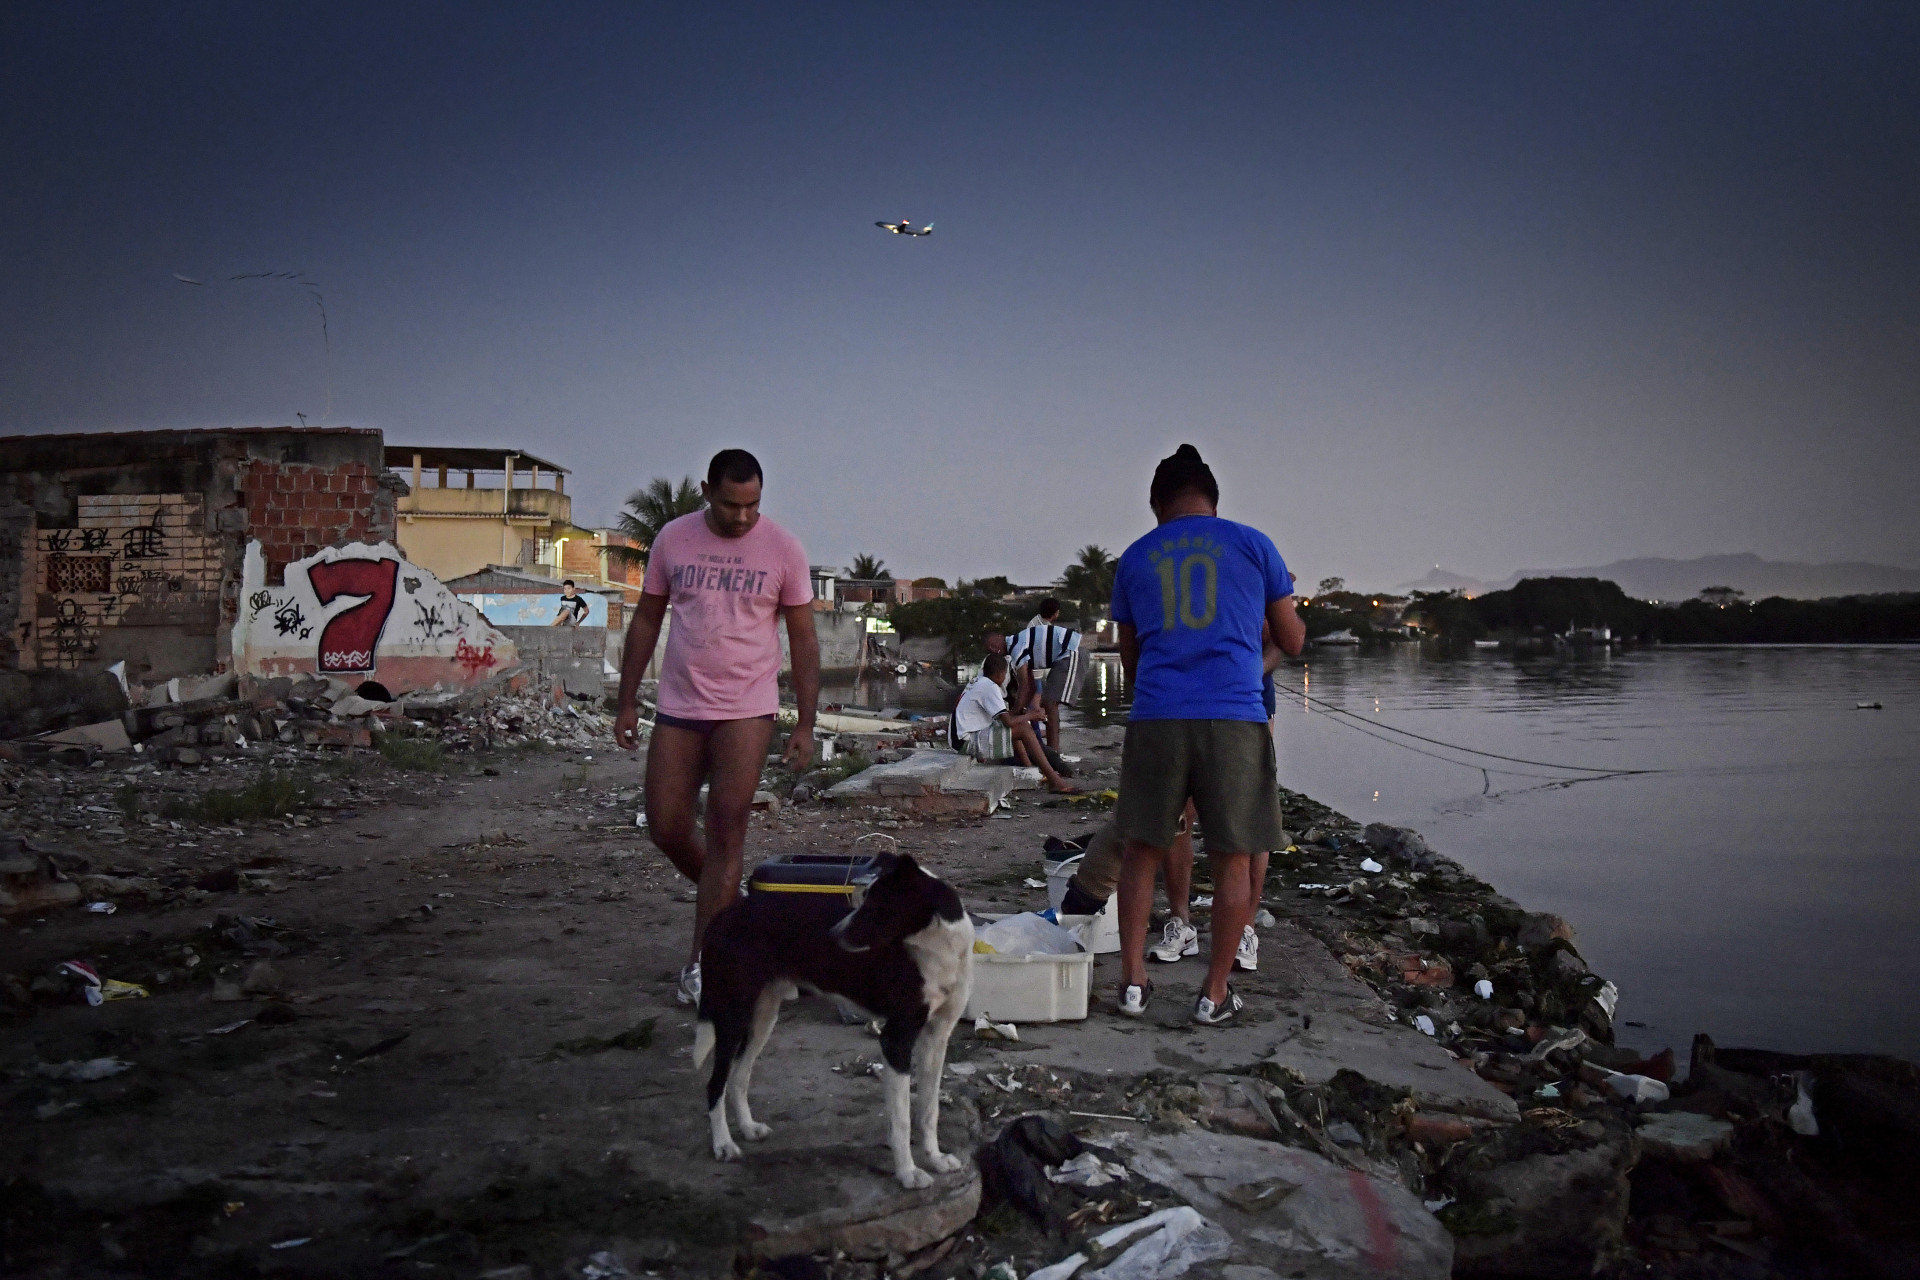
129 561
363 611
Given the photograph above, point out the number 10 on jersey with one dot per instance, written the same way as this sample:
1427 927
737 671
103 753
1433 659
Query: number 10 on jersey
1188 590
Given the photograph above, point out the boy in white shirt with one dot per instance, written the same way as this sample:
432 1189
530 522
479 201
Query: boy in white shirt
993 734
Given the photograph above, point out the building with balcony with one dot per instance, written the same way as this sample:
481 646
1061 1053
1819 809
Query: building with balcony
470 508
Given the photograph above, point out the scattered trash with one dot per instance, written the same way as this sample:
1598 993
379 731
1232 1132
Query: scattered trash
1423 1024
294 1243
606 1266
1087 1170
1435 1206
1867 706
229 1028
102 908
1371 867
1634 1088
83 1071
1179 1238
1002 1271
96 989
1483 989
1031 883
1344 1134
1264 919
1800 1117
983 1029
1204 900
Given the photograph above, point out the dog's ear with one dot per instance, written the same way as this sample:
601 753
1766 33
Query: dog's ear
907 866
884 863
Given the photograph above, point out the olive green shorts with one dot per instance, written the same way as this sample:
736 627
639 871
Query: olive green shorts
1225 766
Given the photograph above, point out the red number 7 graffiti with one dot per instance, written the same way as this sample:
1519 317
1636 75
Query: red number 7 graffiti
347 643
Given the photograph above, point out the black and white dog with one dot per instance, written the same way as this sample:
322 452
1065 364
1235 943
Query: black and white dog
905 955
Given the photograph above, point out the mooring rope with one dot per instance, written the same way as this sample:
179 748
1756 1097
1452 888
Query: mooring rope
1364 725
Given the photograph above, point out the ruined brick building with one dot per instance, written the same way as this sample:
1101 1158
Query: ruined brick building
130 546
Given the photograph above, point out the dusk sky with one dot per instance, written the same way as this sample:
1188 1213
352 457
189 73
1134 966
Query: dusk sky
1491 286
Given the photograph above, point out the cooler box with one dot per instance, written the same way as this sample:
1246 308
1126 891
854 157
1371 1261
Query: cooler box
838 873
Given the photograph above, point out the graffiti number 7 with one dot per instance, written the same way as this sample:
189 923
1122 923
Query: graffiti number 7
348 642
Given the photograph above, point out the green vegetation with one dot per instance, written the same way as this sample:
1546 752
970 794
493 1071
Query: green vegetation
649 510
420 754
1088 582
998 587
1548 606
960 619
867 568
270 795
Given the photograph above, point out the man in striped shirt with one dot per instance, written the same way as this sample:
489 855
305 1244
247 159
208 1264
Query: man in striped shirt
1053 654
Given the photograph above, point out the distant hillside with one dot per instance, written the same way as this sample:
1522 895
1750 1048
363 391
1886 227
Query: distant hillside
1438 579
1659 579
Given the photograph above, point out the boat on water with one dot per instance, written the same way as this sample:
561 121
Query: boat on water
1341 637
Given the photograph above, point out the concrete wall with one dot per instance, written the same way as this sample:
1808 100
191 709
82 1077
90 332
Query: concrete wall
573 655
130 546
362 612
839 634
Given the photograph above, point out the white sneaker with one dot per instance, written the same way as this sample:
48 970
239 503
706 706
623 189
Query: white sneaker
688 991
1208 1014
1133 1000
1247 956
1178 939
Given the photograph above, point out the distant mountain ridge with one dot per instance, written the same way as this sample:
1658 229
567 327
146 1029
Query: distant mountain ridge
1656 578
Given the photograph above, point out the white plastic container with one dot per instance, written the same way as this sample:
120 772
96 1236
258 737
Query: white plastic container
1038 988
1099 933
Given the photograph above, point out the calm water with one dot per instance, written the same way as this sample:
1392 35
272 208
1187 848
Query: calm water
1764 886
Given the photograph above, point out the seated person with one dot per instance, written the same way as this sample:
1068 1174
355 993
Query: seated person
986 730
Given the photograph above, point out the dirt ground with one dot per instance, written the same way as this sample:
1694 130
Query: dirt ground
457 1047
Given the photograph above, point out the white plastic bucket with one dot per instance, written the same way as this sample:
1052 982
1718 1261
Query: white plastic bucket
1099 933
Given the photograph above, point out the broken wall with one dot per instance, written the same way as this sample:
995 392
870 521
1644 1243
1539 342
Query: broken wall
363 612
130 546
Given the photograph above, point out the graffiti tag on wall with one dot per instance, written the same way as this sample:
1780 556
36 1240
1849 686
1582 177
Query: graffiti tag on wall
130 560
336 615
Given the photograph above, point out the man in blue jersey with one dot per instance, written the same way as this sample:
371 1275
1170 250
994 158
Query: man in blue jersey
1190 598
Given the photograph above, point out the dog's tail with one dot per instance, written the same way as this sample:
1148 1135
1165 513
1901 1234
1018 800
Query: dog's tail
702 1043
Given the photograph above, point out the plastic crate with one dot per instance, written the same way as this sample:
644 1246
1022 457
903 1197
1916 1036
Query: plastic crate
1038 988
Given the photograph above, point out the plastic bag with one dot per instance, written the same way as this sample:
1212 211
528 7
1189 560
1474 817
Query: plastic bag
1026 934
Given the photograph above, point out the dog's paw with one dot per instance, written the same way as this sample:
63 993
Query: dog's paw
728 1150
915 1179
941 1162
753 1130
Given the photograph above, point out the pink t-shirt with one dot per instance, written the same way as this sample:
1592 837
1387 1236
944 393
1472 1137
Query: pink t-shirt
723 647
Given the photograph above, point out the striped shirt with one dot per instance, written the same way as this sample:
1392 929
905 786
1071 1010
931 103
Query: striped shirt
1041 645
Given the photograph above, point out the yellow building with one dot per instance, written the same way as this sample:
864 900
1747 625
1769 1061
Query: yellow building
470 508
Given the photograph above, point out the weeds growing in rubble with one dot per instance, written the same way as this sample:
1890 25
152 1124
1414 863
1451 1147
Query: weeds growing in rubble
411 753
128 801
271 795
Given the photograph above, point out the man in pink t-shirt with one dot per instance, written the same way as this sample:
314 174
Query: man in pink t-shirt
730 575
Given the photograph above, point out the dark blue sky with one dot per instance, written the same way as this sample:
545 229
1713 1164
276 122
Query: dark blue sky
1492 285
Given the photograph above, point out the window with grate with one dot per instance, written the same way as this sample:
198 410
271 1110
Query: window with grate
71 575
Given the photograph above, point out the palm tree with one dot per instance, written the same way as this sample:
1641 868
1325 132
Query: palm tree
1089 579
649 510
866 568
